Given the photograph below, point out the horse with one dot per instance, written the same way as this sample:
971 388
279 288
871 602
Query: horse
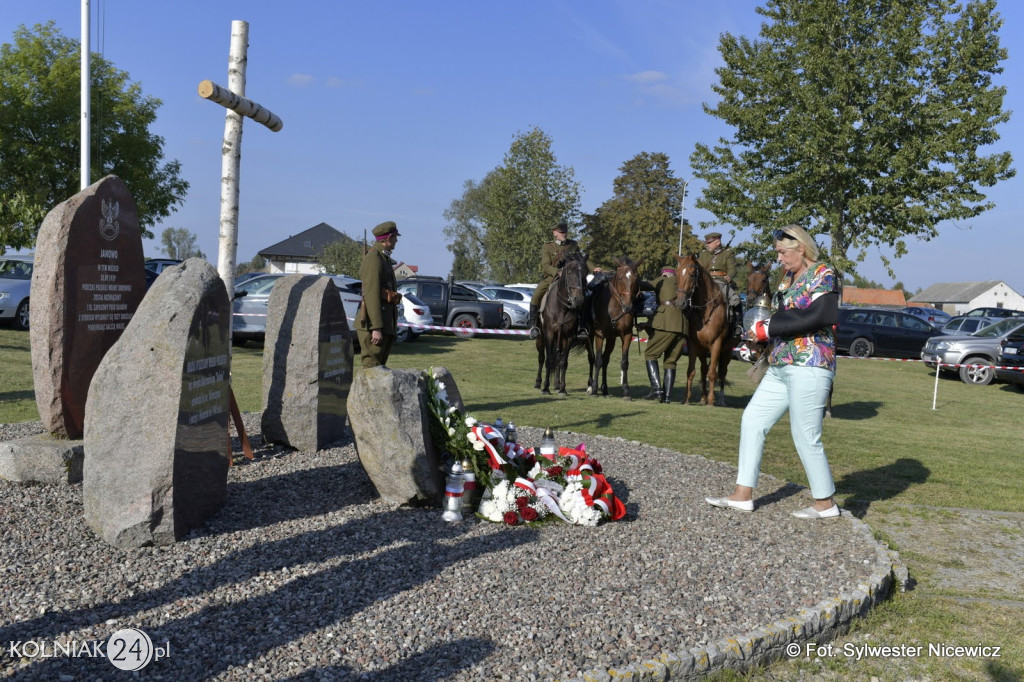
559 320
611 306
758 281
708 330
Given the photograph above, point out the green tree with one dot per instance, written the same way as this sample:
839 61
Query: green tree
180 243
641 220
501 223
465 231
39 135
257 264
862 121
341 257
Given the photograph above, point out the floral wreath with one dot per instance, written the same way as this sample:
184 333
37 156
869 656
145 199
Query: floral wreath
520 485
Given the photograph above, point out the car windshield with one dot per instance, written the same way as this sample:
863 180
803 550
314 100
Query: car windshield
1000 328
15 269
413 298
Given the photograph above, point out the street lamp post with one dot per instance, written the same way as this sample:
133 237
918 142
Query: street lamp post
682 212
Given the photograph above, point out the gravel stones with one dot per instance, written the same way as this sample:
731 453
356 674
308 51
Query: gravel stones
307 574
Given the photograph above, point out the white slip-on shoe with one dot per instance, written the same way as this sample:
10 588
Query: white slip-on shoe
726 503
812 513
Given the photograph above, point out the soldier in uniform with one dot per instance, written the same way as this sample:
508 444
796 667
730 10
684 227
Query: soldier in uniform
377 319
668 337
552 255
720 262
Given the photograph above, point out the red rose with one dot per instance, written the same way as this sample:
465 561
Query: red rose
554 471
522 502
529 514
511 518
597 466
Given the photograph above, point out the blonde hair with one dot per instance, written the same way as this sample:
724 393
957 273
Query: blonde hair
798 236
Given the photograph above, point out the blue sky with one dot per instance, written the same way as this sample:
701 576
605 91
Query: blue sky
390 106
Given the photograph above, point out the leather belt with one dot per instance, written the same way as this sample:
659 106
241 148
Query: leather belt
718 273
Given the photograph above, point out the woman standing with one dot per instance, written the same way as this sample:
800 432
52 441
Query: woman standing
802 364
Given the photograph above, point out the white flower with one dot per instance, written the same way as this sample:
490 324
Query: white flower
470 422
479 446
534 472
452 409
451 432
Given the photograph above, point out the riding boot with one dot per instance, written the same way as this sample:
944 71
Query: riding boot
653 373
670 380
532 321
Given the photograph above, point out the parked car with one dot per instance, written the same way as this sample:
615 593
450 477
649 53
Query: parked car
966 325
158 265
414 311
249 309
933 316
517 304
864 332
15 282
511 315
994 312
1011 356
980 348
454 305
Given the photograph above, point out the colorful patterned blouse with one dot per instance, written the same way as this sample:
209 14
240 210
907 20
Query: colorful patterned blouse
816 348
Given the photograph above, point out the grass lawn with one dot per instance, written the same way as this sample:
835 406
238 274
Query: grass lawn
896 461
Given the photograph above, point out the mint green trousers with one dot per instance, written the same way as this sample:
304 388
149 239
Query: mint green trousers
802 391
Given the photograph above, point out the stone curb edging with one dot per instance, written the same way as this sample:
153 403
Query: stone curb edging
821 623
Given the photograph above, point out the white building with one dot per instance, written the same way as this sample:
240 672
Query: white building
956 298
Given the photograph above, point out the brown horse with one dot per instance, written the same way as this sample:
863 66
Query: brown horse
758 281
611 305
559 321
709 332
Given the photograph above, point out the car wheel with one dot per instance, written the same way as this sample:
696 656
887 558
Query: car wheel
402 335
506 321
465 323
861 348
977 376
21 316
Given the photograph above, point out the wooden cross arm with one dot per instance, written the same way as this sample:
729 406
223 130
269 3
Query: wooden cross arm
240 105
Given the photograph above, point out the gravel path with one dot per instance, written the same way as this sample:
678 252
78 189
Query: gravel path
307 574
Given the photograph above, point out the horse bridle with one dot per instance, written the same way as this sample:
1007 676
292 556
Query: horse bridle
619 297
562 274
687 301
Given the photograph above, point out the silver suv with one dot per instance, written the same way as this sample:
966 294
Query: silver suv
961 351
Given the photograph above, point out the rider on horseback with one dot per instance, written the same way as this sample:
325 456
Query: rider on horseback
720 262
552 257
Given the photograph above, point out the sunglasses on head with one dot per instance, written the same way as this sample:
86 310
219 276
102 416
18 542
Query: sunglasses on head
782 234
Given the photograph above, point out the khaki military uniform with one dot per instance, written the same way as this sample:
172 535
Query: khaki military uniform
719 263
550 254
669 324
377 272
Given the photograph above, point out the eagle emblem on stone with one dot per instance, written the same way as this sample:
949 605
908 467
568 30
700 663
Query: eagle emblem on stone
109 225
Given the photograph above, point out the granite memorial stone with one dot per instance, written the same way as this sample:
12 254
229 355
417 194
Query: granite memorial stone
156 427
87 283
307 364
388 413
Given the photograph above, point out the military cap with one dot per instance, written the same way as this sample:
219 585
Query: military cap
712 235
668 269
562 227
385 229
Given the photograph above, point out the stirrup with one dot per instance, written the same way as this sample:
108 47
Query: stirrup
534 332
582 334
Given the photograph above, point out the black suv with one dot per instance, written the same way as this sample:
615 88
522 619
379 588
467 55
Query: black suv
880 331
1011 356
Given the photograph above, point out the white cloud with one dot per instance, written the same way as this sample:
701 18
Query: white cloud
300 80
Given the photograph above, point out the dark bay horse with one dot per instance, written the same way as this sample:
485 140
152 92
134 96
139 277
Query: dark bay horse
611 304
709 332
559 321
